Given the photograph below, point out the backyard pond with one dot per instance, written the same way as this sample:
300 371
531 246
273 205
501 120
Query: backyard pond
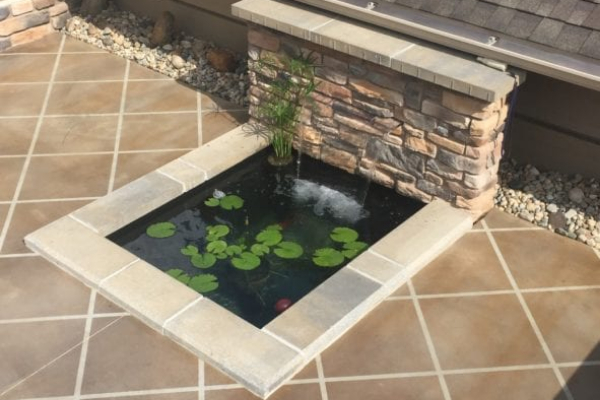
257 238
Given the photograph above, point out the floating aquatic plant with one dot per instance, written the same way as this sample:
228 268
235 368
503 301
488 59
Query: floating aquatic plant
218 246
179 275
352 249
204 283
269 237
189 250
228 202
343 235
246 261
328 257
260 249
215 232
233 250
288 250
161 230
203 261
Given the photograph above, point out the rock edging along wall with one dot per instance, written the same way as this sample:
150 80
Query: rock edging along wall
424 140
23 21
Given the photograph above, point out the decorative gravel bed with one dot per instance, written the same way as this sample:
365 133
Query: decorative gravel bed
184 58
566 204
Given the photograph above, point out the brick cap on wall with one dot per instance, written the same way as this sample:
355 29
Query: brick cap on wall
432 63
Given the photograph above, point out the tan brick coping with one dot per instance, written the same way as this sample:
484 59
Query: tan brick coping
259 359
435 64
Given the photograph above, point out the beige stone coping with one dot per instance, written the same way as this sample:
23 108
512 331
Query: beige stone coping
429 62
260 359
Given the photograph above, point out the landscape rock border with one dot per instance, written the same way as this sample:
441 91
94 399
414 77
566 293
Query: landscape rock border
185 58
566 204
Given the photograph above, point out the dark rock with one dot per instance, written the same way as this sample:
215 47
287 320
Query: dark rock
163 29
558 220
221 60
92 7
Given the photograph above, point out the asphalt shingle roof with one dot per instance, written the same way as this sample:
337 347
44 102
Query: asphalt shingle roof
569 25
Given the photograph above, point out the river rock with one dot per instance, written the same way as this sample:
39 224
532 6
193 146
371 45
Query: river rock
163 29
221 60
576 195
177 61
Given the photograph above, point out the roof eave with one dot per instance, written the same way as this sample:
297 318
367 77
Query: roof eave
519 53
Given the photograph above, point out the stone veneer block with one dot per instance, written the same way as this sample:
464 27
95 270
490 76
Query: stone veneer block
234 346
294 20
408 55
218 155
327 312
148 293
79 251
129 203
186 174
410 244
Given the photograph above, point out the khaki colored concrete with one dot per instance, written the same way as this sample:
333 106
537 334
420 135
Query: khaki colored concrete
186 174
260 362
79 251
148 293
128 203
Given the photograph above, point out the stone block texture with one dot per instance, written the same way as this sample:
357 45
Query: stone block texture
424 140
23 21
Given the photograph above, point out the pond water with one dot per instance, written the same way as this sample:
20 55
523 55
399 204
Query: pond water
257 238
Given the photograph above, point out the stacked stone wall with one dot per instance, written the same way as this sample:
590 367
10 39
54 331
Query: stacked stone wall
422 139
22 21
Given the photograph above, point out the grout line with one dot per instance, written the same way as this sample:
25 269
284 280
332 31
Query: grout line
321 375
52 53
61 318
140 393
528 314
133 113
533 228
81 81
56 359
84 344
36 134
364 274
57 200
113 169
178 313
200 379
18 255
84 223
199 117
282 341
123 268
428 340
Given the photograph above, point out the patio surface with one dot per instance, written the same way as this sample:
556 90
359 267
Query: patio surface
509 312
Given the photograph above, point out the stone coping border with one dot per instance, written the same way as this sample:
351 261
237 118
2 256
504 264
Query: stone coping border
445 67
260 359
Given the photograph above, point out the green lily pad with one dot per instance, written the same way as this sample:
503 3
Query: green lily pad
355 246
204 283
203 260
218 246
232 202
189 250
221 256
246 261
179 275
212 202
344 235
276 227
161 230
260 249
328 257
216 232
350 254
269 237
233 250
288 250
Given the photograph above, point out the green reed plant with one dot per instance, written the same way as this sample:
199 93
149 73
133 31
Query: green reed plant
279 111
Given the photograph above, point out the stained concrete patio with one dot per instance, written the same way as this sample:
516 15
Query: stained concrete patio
514 317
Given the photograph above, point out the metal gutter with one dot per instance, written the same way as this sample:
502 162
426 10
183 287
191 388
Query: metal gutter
519 53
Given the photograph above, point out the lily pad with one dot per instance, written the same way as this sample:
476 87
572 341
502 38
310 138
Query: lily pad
203 260
232 202
218 246
260 249
161 230
344 235
179 275
328 257
276 227
233 250
212 202
355 246
204 283
269 237
246 261
189 250
221 256
288 250
216 231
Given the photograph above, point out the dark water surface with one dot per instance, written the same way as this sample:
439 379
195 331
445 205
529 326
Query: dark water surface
307 206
